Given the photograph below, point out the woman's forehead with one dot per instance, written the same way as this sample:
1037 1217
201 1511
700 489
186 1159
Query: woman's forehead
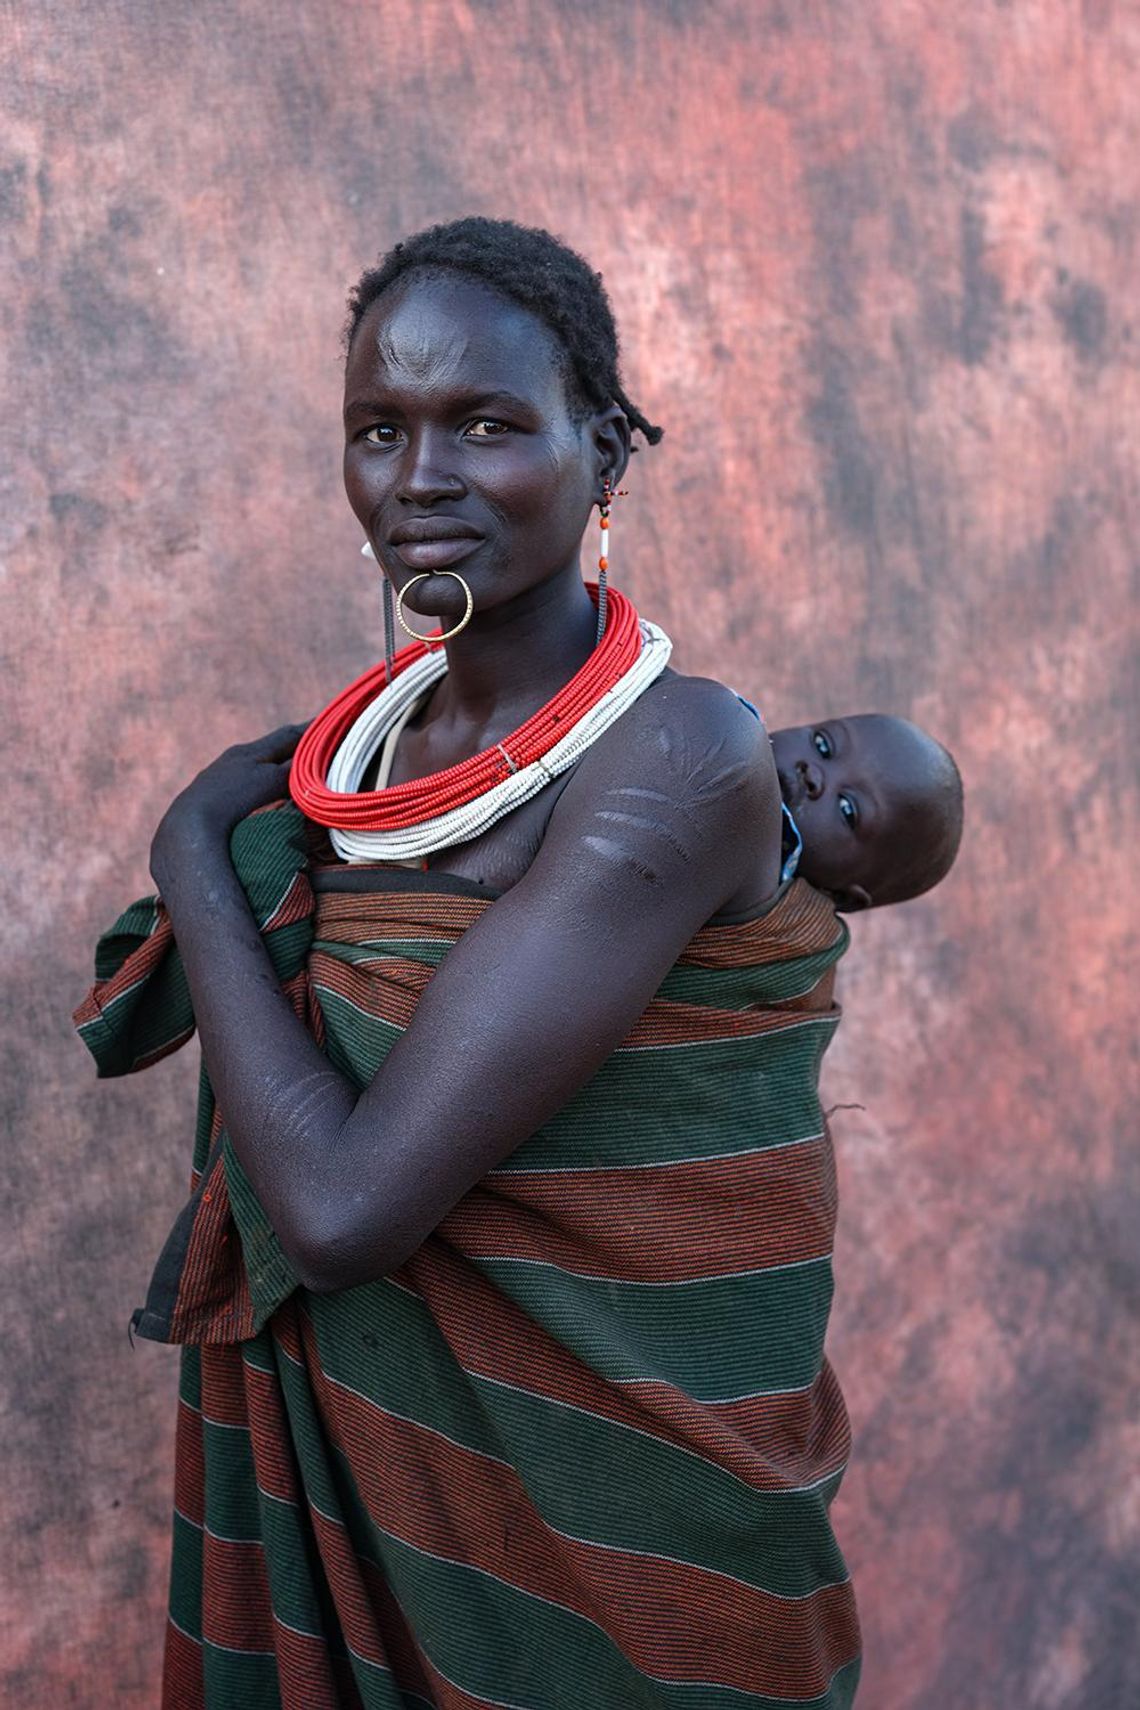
449 332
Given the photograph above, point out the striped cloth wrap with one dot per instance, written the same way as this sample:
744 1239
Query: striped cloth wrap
578 1452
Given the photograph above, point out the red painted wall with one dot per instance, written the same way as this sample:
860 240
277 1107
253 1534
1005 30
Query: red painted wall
876 271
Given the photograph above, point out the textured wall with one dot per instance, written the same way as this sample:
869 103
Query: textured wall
875 266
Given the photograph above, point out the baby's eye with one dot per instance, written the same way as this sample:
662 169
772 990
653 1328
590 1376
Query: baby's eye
849 808
821 742
487 428
382 434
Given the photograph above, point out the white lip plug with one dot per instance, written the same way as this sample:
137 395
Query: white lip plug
367 552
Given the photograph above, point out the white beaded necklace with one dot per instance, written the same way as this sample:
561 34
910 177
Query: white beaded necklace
463 823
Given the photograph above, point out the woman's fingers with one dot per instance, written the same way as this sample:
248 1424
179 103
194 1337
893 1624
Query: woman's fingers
280 743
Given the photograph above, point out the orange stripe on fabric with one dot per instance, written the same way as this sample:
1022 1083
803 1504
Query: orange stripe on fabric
271 1440
354 917
236 1608
295 905
213 1303
142 961
802 923
307 1678
693 1220
667 1022
183 1687
390 988
223 1386
345 1576
189 1465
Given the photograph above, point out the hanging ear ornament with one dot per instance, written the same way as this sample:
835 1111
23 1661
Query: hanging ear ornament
389 613
389 628
604 503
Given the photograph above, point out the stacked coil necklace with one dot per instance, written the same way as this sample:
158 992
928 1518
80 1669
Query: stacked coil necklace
408 821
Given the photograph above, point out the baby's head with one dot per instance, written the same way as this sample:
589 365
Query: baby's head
878 804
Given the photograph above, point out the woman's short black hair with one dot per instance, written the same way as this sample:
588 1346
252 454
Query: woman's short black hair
534 269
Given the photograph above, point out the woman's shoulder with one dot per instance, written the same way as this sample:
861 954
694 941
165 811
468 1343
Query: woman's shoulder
700 711
688 738
683 788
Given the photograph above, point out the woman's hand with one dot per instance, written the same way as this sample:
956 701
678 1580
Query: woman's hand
199 821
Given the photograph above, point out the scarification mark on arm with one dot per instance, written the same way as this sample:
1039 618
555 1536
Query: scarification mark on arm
642 793
621 855
652 827
287 1116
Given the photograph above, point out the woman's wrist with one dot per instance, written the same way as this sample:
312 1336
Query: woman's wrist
191 851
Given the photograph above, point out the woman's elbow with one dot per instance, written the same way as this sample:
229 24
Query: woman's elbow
328 1261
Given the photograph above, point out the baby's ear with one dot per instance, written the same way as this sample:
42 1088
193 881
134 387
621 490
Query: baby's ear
853 900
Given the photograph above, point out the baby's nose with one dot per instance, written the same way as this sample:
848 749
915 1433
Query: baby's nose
812 777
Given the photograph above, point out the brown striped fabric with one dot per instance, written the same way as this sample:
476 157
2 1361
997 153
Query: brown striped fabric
580 1449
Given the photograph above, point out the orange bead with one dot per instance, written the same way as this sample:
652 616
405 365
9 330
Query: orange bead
603 563
605 522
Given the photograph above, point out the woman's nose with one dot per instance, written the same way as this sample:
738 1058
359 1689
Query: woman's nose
812 778
426 476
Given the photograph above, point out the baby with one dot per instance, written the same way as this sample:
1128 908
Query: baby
877 804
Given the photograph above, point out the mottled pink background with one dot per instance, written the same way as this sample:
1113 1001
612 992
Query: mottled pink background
876 266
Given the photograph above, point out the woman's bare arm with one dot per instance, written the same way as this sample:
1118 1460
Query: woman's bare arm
657 829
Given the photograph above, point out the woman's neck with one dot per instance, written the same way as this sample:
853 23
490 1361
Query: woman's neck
511 660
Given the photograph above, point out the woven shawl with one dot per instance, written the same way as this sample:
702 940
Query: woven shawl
579 1450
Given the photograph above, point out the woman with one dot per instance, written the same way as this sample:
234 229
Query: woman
504 1284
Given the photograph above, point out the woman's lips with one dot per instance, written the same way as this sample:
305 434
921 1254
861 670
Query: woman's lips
436 554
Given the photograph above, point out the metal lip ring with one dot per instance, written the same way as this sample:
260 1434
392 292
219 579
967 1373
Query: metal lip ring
434 640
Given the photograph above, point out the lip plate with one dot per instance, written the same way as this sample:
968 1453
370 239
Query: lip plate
436 554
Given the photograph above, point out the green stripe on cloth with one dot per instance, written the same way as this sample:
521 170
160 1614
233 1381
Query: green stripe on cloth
190 1377
764 1331
357 1043
716 1340
660 1107
233 1502
186 1578
605 1126
237 1678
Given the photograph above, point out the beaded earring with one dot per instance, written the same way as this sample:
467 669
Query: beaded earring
389 629
389 613
604 503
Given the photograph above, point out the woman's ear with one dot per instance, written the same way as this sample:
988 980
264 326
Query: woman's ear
852 900
613 443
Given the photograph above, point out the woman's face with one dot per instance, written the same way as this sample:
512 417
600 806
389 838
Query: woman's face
460 449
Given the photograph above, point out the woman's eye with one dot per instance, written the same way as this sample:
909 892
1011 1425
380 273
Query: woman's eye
821 742
487 428
382 434
849 808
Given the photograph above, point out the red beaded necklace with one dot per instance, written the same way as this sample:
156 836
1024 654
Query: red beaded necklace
425 798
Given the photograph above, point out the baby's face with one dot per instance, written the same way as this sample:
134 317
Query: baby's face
851 784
